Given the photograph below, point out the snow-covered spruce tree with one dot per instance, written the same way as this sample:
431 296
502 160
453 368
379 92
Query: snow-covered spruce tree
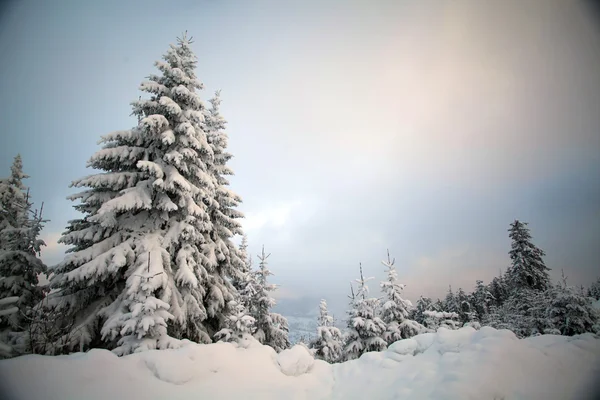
423 304
441 319
451 303
366 329
481 300
145 256
20 265
225 222
498 289
328 345
570 312
271 328
594 290
526 285
239 324
466 314
524 313
395 310
527 270
240 281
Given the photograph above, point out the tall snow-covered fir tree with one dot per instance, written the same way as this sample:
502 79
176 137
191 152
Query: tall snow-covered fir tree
395 310
271 328
527 270
225 221
328 345
146 263
366 329
20 265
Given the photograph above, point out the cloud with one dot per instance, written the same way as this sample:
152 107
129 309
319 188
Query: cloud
275 216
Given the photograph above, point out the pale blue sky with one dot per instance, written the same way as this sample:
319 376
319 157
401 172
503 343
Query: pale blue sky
423 127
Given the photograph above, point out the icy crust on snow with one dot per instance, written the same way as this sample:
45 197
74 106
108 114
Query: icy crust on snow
465 364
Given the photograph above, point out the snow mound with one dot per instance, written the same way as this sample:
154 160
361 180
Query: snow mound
295 361
461 364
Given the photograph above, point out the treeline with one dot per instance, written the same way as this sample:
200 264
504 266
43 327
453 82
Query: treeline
523 300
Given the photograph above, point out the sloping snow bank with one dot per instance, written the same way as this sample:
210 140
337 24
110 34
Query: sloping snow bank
463 364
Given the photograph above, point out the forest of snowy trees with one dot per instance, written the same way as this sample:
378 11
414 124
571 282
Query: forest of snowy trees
152 259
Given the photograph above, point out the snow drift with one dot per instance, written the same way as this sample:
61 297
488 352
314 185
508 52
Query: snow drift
465 364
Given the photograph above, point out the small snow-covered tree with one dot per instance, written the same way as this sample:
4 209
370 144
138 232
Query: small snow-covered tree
481 300
451 303
527 270
328 345
239 324
498 289
395 310
240 281
146 263
423 304
271 328
525 313
20 262
466 313
441 319
570 312
438 305
594 290
366 329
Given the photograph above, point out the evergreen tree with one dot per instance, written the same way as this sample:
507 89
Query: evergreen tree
525 313
240 280
225 220
20 265
441 319
366 329
328 344
239 324
146 262
451 303
527 270
481 300
570 312
13 196
594 290
271 328
466 313
423 304
438 305
395 309
499 290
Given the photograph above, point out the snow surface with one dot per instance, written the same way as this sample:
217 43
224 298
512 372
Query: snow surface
461 364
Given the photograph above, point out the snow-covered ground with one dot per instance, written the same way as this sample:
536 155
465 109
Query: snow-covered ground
462 364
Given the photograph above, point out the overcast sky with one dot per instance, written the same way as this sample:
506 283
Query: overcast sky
423 127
